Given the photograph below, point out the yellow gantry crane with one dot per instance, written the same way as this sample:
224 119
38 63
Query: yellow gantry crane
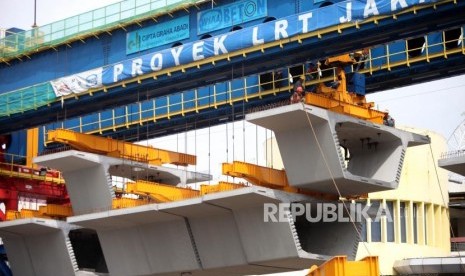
336 97
121 149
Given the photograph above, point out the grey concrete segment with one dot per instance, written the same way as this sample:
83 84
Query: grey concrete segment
423 266
266 243
86 179
142 240
454 164
312 139
88 176
38 247
214 232
217 234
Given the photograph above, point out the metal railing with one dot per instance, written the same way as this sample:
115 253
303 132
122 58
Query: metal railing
453 154
42 94
12 165
86 24
182 103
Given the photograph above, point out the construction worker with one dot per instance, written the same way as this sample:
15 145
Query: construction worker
297 96
388 120
298 91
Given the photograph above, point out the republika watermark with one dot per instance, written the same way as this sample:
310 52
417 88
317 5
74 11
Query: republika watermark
325 212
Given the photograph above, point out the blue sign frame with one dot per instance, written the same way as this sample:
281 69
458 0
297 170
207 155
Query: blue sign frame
157 35
230 15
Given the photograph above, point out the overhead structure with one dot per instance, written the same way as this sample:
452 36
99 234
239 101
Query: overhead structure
120 149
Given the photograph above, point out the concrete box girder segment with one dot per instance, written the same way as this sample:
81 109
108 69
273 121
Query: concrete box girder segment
218 234
141 240
311 139
38 247
88 176
454 163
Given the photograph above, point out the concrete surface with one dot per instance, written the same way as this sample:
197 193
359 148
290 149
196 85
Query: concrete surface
311 142
217 234
454 164
88 176
38 247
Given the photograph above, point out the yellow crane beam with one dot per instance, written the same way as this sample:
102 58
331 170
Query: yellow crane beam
267 177
121 149
160 192
220 187
258 175
46 211
119 203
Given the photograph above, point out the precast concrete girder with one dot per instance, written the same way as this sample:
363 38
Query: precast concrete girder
454 162
321 149
88 176
223 233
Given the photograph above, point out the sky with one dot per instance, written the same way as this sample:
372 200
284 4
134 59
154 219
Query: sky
438 106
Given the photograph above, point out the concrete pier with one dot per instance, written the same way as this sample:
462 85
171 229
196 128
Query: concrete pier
313 142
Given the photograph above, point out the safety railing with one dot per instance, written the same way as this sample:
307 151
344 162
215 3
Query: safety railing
27 98
453 154
389 56
11 165
192 101
457 244
384 57
90 23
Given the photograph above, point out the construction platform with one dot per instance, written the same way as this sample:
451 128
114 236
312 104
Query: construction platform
321 148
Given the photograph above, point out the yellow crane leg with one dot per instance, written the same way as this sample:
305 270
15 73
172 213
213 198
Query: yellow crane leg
160 192
32 146
111 147
339 266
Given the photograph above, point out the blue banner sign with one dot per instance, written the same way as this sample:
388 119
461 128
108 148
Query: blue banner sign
229 15
282 28
157 35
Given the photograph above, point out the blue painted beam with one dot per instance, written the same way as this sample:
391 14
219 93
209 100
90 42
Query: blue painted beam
406 25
